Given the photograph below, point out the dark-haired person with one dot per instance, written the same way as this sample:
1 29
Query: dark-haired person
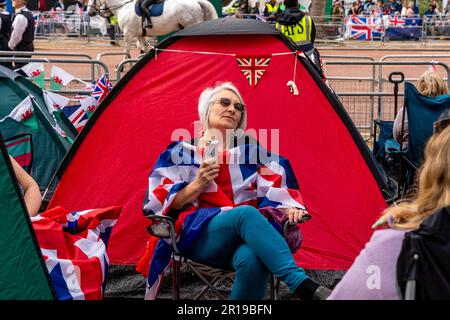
299 27
271 10
145 5
5 30
22 31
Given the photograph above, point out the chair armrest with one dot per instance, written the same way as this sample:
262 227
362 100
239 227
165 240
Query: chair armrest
161 226
287 223
163 229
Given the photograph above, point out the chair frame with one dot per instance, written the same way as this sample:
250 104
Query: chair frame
178 258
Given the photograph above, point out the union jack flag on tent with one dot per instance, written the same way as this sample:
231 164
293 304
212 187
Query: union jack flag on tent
253 67
74 245
102 87
364 28
248 175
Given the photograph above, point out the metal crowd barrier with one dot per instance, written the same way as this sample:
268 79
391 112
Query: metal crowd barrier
91 63
122 64
108 54
361 104
436 28
49 53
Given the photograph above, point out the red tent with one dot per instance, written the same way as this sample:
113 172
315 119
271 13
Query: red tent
111 159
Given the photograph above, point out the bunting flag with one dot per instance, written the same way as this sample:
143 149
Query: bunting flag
74 246
24 113
77 115
59 78
89 105
55 102
253 67
19 147
35 71
102 88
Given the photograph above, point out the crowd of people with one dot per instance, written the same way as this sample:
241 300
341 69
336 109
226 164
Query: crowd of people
405 8
17 30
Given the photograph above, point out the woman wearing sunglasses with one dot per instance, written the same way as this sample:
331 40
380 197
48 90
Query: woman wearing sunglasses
215 202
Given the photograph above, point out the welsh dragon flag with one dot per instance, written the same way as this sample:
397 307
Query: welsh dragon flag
55 102
59 78
36 72
24 113
89 104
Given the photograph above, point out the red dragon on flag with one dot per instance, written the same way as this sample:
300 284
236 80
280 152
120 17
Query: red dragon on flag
36 73
57 80
26 115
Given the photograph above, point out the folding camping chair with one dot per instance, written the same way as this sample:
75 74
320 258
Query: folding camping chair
163 227
382 150
423 265
421 112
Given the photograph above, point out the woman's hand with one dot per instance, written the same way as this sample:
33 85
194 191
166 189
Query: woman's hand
294 214
207 173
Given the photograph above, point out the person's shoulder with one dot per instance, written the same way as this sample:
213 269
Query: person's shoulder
385 238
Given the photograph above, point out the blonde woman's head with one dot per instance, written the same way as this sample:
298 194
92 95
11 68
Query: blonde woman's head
431 84
433 185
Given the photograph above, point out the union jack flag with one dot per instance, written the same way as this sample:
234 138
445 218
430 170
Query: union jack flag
74 245
102 87
253 67
397 21
77 115
248 175
365 28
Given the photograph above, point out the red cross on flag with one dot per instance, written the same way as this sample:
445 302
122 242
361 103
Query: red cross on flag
253 67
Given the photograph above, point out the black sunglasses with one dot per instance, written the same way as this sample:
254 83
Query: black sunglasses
225 102
441 124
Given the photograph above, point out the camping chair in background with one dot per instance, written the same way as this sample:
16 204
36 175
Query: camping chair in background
163 227
23 273
423 266
383 148
422 112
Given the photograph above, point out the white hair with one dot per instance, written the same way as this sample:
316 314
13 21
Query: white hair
207 98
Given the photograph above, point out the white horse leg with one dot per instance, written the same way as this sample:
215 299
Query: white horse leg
128 39
142 45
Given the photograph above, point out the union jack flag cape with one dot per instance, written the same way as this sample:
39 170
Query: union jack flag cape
249 175
73 245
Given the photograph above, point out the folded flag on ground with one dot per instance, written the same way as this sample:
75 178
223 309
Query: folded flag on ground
74 247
